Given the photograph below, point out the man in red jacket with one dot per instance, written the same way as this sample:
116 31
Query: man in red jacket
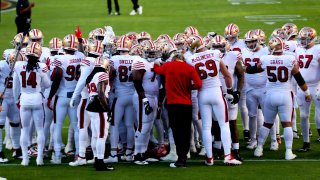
178 77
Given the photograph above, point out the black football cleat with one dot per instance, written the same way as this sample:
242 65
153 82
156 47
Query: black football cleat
236 155
305 147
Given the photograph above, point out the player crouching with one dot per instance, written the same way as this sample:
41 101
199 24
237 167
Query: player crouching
97 83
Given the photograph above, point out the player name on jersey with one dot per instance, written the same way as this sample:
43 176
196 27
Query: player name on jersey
276 62
125 61
205 56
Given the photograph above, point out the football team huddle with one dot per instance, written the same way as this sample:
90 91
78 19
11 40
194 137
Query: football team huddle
106 85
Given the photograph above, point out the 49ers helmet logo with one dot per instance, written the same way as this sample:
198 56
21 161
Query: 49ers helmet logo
8 5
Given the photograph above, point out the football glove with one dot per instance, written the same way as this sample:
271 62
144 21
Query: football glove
229 95
236 97
147 108
78 32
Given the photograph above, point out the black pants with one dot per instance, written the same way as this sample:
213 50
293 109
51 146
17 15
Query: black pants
180 117
135 4
116 4
22 24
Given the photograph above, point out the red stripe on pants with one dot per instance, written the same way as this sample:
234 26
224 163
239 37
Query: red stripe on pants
82 109
54 109
292 106
225 107
102 124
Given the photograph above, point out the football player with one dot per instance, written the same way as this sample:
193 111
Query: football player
309 63
208 64
29 78
97 108
64 80
121 77
95 49
255 86
232 34
233 63
145 99
8 108
280 69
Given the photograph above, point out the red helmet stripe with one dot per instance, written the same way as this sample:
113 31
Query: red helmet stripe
230 29
71 41
32 48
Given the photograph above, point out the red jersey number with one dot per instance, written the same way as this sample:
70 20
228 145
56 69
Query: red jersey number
73 72
301 63
207 69
282 73
255 60
123 74
92 87
31 81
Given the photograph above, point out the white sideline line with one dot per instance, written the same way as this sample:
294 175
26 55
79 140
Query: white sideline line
194 161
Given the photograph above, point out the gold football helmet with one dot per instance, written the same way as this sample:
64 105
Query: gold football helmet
98 34
251 40
143 36
290 30
261 36
276 44
191 30
12 55
34 49
70 42
95 48
195 43
231 33
124 44
149 50
101 61
307 36
220 43
17 40
136 50
55 44
35 35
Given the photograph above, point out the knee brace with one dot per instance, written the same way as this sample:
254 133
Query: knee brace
14 124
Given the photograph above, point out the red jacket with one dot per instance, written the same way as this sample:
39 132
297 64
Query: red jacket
178 81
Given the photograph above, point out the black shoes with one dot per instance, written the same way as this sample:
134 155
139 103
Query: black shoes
305 147
101 166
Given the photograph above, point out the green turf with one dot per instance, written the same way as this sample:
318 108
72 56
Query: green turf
60 17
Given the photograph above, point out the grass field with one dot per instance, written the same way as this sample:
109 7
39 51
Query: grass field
60 17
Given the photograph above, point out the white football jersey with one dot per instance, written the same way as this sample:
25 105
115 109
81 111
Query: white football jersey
207 65
238 46
70 65
93 85
30 83
278 69
6 53
123 83
290 46
150 81
230 59
86 67
4 73
257 80
45 54
309 64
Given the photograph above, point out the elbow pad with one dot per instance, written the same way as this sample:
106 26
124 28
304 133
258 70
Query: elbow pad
299 79
251 69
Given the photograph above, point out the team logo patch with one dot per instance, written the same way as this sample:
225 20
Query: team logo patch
7 5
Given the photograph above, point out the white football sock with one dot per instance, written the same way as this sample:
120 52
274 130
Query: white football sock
263 134
288 137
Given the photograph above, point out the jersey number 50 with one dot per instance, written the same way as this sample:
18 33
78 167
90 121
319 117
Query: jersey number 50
281 75
210 69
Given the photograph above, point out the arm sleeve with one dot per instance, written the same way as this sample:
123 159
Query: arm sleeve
197 83
138 65
85 71
16 87
103 77
160 69
45 82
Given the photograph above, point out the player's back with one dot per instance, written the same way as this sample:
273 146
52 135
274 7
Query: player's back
70 65
278 69
230 59
207 65
30 82
123 81
149 82
94 83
